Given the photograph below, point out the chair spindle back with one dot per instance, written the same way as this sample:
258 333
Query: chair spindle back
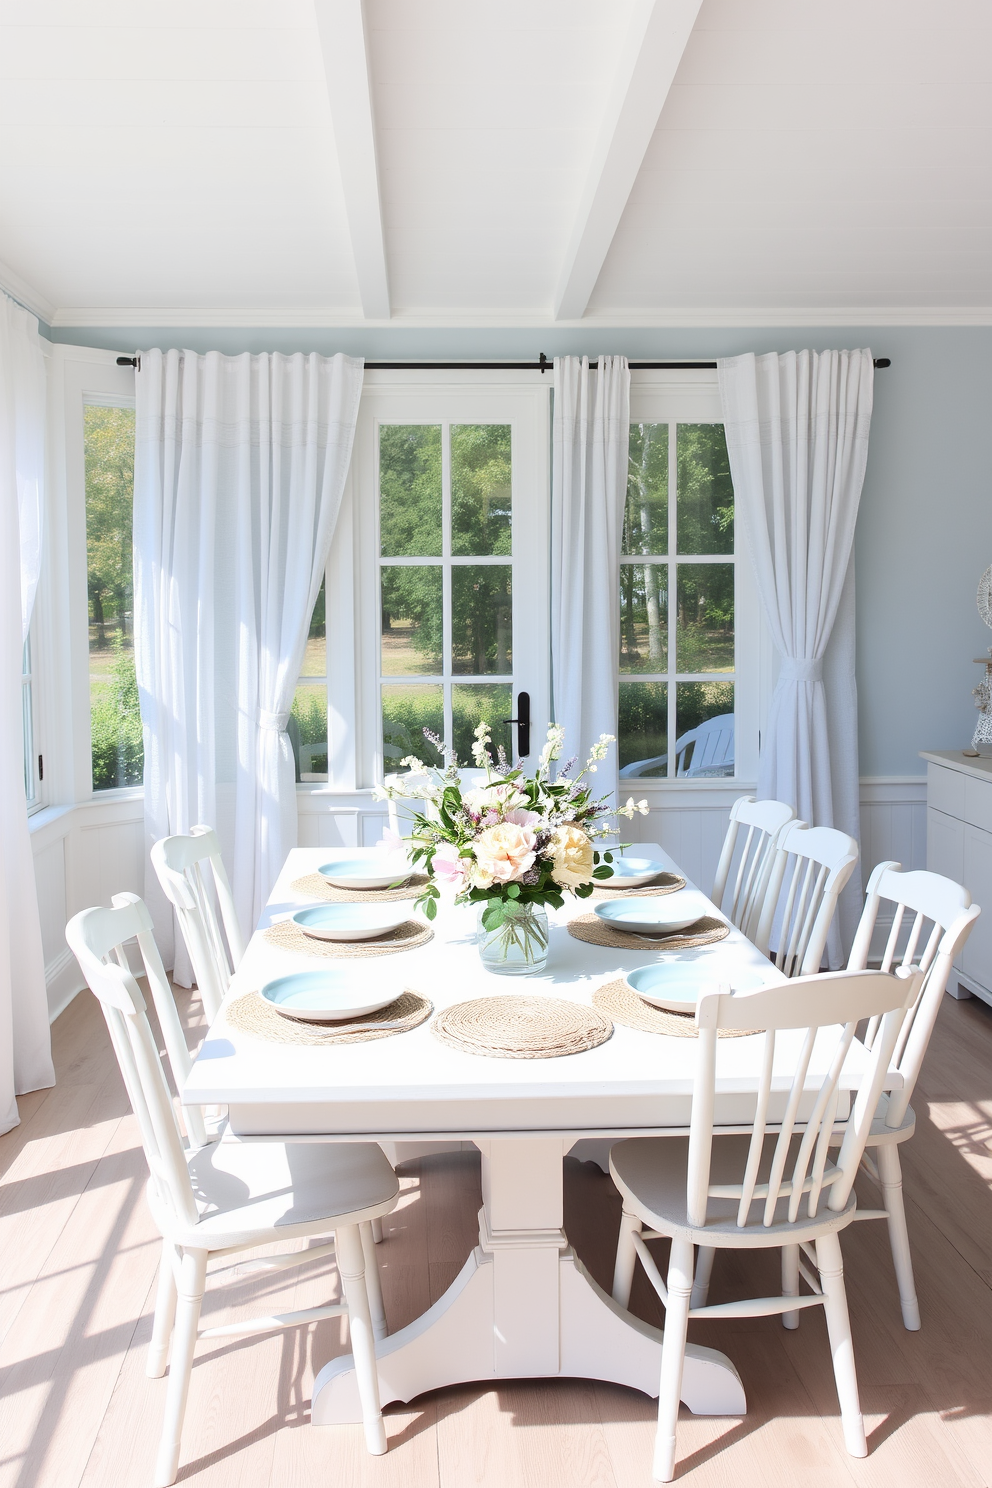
823 861
811 1006
759 823
191 871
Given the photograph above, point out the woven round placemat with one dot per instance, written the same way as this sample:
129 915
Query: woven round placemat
624 1006
591 928
319 888
515 1027
252 1015
665 883
406 937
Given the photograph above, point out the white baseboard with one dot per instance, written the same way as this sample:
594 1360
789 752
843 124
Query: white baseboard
63 979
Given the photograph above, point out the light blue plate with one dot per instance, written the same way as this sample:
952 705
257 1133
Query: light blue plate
329 995
652 916
670 986
630 873
351 921
379 872
676 985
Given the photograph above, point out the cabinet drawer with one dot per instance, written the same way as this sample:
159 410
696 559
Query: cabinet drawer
978 802
946 790
945 845
976 959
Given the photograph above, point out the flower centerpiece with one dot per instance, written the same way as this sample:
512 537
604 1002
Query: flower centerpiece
512 844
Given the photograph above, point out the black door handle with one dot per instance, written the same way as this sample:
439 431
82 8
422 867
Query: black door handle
522 721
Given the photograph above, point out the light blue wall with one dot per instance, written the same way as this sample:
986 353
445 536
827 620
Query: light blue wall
925 529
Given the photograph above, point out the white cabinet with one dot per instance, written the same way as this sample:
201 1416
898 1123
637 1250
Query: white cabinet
959 845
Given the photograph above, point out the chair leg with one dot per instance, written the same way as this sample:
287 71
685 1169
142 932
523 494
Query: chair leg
623 1270
672 1357
830 1265
351 1264
705 1256
372 1281
192 1277
890 1174
165 1315
790 1282
376 1230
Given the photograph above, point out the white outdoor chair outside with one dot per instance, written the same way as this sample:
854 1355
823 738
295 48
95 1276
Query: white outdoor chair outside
191 871
712 756
401 812
754 825
225 1198
946 906
824 858
768 1189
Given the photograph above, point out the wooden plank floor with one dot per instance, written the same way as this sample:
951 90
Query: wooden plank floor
79 1258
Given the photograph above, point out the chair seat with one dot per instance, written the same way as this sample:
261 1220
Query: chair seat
248 1191
652 1173
881 1135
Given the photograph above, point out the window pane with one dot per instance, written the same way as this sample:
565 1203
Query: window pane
411 620
108 442
643 617
28 726
710 749
705 491
480 490
482 620
642 736
406 712
410 490
475 703
645 521
705 626
315 656
307 729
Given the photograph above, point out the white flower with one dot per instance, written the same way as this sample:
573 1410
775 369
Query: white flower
599 750
480 749
499 797
643 807
552 749
572 854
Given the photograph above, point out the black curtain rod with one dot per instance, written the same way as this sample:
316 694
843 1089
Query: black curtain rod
544 365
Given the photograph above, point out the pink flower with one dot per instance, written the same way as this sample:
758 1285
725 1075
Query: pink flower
448 868
391 841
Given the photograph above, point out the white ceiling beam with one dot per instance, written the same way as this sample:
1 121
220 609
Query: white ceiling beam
341 25
652 51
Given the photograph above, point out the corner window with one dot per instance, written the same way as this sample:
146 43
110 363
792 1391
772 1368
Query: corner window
115 720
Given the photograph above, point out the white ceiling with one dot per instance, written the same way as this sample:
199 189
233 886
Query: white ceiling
225 161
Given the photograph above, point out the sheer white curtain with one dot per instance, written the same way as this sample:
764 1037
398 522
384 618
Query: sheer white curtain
240 465
797 434
588 491
25 1043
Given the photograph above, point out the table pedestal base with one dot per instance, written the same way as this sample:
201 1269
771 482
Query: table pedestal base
524 1307
457 1341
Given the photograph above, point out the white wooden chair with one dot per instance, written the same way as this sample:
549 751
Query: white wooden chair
944 909
773 1188
824 860
225 1198
751 832
191 871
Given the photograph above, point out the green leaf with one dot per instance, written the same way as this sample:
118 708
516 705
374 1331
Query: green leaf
603 872
513 891
583 891
608 856
430 909
493 916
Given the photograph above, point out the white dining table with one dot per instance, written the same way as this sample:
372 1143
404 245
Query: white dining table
523 1304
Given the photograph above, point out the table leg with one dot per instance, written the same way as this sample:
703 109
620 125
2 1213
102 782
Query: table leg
523 1305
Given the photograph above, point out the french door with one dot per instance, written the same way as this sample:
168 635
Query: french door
451 496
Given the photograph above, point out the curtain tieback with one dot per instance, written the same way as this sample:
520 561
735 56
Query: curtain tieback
801 669
275 721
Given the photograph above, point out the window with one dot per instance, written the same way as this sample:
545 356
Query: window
308 721
677 649
445 586
437 592
115 720
33 766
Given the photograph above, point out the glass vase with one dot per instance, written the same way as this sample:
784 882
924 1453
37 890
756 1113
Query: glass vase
518 946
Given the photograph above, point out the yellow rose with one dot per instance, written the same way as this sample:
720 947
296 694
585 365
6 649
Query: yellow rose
572 854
